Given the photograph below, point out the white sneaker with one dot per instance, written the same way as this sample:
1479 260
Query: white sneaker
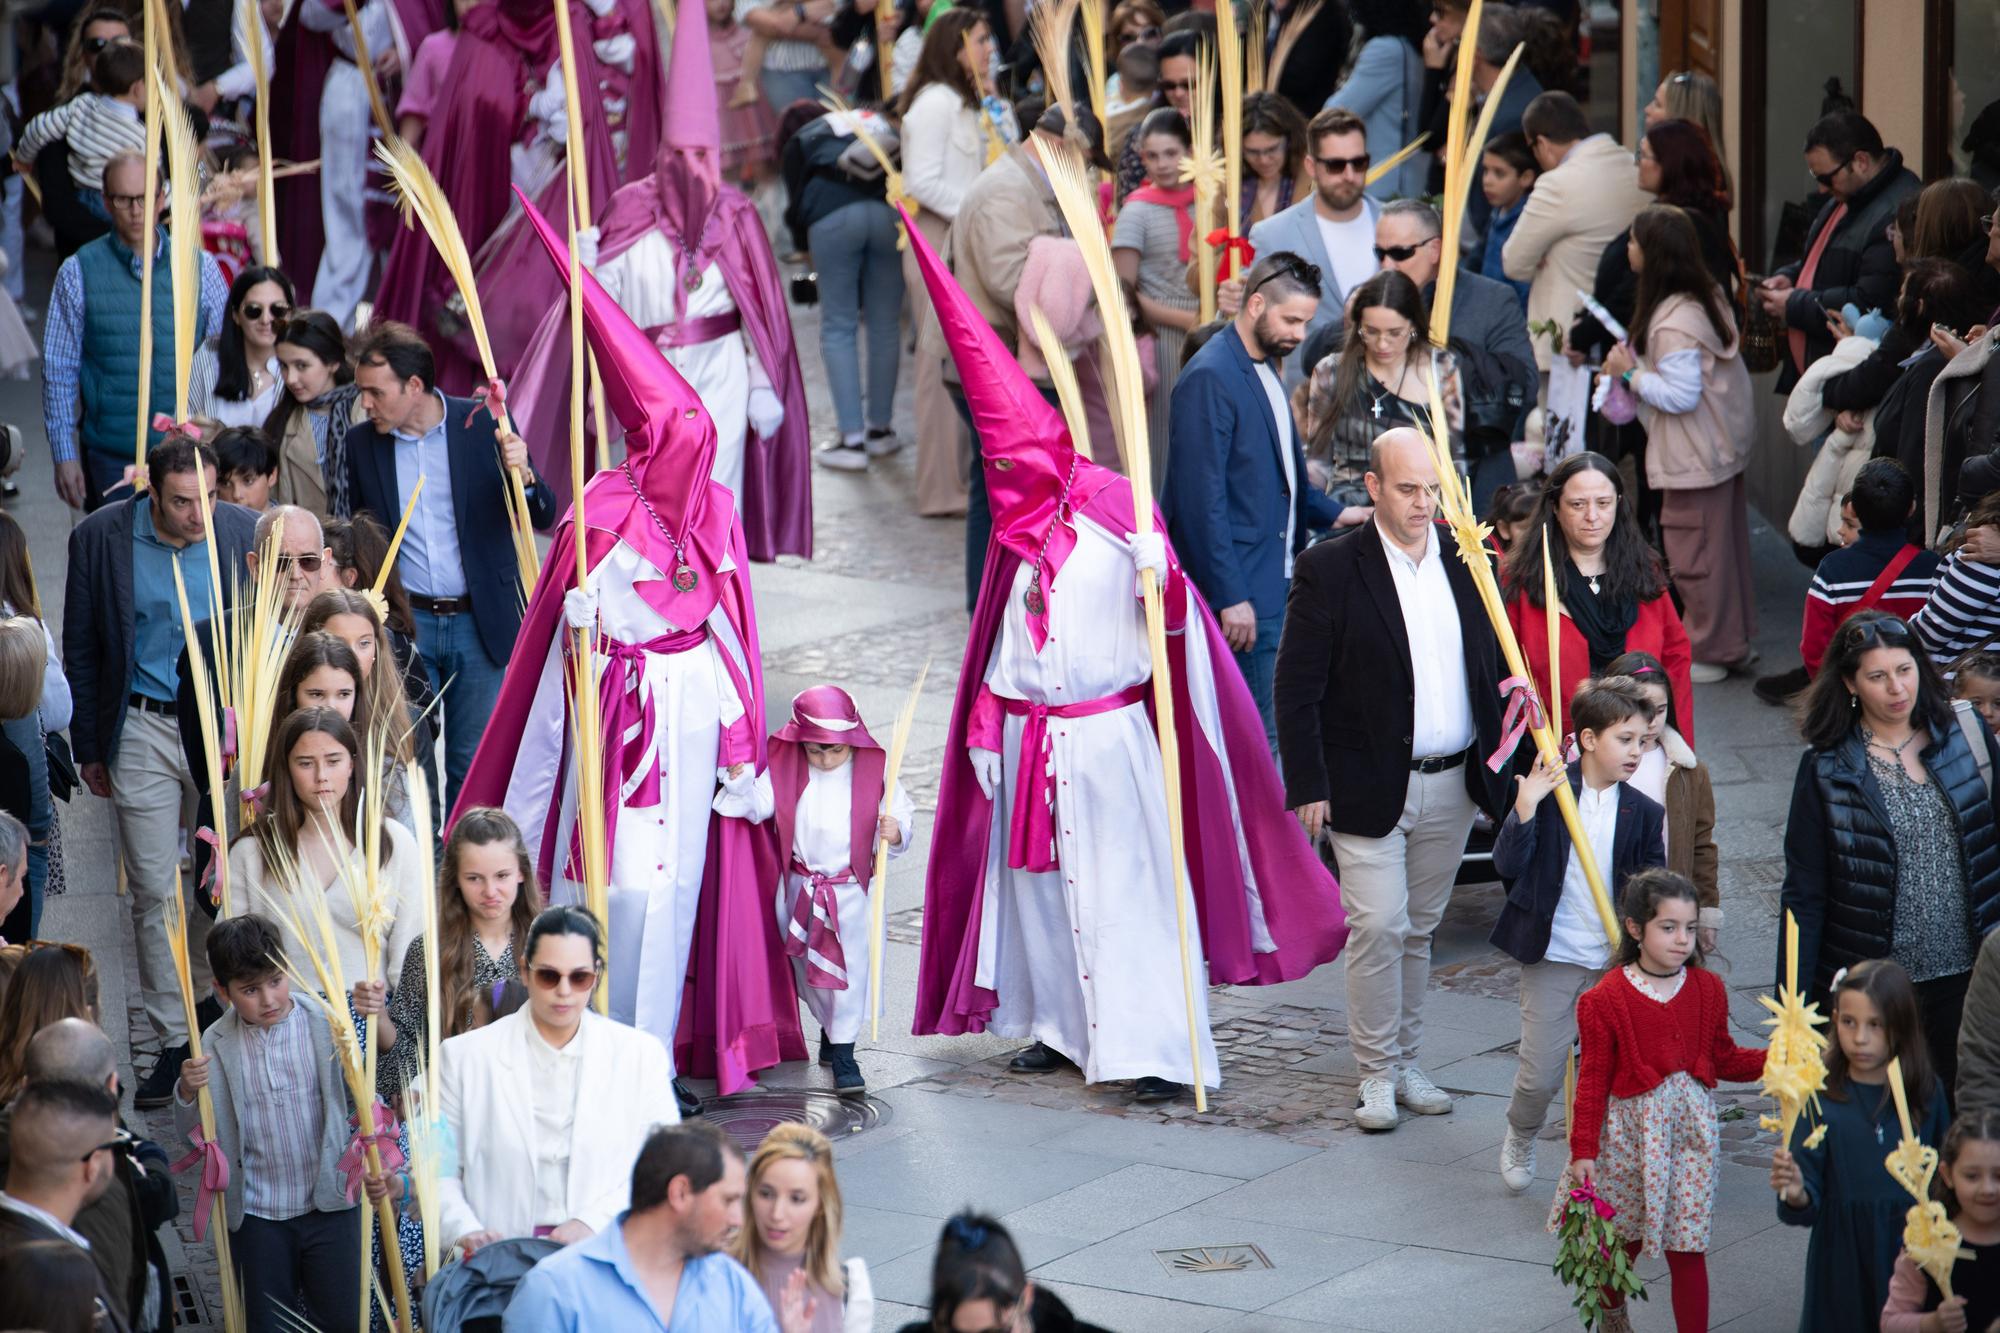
1377 1108
1708 673
882 443
843 456
1415 1090
1517 1161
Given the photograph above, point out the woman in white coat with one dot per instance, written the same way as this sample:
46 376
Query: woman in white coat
536 1155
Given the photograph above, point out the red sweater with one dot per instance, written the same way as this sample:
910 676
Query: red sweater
1657 630
1632 1042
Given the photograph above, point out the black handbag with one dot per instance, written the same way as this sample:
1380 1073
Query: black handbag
63 780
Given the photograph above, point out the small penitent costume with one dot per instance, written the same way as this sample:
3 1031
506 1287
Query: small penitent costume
682 695
687 258
1049 906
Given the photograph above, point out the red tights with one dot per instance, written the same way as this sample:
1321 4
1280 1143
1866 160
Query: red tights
1687 1270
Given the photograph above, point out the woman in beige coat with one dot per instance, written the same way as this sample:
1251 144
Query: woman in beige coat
1693 391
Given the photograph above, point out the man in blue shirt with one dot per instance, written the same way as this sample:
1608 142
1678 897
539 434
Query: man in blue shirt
660 1266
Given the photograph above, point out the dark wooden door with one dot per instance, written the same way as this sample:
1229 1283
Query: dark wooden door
1691 36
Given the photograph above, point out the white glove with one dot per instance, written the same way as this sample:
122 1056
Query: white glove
549 108
767 412
580 608
586 247
741 784
616 50
602 8
1148 552
985 770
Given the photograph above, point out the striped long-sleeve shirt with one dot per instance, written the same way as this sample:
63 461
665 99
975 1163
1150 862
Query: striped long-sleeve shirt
1844 578
1963 611
98 129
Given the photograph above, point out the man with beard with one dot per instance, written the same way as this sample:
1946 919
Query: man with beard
1333 229
1235 466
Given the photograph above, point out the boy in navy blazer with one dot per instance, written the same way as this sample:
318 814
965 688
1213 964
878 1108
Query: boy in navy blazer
1550 922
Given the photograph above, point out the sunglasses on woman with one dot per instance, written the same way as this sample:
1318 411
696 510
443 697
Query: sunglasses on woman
254 312
548 978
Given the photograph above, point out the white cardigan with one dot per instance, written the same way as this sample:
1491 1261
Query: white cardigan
944 149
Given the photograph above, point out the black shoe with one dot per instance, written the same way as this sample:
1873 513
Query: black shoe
1150 1089
1779 688
825 1049
1039 1059
157 1088
689 1104
847 1080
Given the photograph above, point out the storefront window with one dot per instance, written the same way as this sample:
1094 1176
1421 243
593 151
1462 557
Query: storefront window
1809 55
1974 91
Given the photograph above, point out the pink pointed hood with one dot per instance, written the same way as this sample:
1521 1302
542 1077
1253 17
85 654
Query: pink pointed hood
1035 479
826 715
692 120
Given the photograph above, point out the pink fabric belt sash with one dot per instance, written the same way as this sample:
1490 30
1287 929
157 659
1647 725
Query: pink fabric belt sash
689 332
1031 828
814 932
631 757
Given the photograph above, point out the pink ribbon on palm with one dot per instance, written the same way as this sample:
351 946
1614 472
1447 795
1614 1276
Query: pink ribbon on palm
492 396
214 1176
353 1163
1524 710
215 853
166 425
1585 1194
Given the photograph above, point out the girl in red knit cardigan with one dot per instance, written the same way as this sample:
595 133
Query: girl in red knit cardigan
1655 1036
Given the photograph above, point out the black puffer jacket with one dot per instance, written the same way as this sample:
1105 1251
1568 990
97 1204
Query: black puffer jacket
1840 853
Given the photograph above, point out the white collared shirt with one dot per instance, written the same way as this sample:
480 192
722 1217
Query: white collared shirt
553 1098
46 1218
1281 417
1577 935
1441 722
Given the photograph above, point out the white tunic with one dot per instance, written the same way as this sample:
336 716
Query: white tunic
346 135
658 852
1111 1000
722 370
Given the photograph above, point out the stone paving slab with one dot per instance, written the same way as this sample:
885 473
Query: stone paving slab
1418 1287
1114 1203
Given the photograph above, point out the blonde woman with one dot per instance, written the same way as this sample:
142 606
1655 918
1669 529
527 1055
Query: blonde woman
794 1233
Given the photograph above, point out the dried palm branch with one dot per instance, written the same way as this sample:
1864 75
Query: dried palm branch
267 204
1062 374
366 60
1229 69
1930 1237
396 542
428 1149
421 199
1288 38
211 741
213 1182
183 237
1074 196
1795 1062
1204 167
1091 12
1254 71
155 117
1459 178
878 884
1395 159
419 788
259 643
578 170
1051 26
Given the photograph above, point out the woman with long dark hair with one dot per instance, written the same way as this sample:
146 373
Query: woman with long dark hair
978 1281
1274 151
309 423
1612 591
1891 851
1380 380
1693 390
236 379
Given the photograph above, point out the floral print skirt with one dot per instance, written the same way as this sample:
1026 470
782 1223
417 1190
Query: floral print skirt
1656 1166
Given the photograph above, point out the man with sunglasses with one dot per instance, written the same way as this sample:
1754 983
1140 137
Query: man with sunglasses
1848 253
63 1135
1333 230
122 638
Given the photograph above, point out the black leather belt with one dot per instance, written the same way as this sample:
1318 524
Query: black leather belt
1437 763
440 606
145 705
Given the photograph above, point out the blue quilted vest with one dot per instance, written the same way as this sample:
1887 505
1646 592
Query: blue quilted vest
109 373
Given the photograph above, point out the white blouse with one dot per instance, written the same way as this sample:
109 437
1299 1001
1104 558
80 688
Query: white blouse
554 1098
944 149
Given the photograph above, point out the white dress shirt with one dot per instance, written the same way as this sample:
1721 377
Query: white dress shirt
1577 935
553 1094
45 1217
1281 416
1442 716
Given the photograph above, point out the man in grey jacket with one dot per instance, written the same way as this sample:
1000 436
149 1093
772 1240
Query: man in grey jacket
1496 361
121 637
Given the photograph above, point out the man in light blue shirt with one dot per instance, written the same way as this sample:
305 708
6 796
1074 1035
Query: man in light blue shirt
660 1266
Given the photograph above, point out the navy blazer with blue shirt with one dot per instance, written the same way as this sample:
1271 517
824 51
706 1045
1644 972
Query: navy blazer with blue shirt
478 501
1225 497
1534 859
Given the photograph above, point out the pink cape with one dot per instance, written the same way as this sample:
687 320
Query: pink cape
777 472
1300 899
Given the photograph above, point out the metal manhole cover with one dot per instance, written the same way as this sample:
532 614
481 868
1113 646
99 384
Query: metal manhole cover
748 1116
1240 1257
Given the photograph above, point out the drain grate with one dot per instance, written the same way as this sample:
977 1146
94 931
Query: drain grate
748 1116
1240 1257
189 1312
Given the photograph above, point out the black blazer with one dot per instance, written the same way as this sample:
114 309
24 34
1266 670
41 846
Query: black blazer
99 622
1345 692
478 502
1534 857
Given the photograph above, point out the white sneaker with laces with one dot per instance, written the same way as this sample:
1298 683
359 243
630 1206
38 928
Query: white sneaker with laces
1415 1090
1517 1161
843 456
1377 1108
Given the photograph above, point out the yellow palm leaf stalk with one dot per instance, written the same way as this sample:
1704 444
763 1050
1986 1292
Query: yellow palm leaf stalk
1229 68
423 1112
1552 702
1295 26
579 173
1204 167
1062 375
1795 1062
377 107
878 884
175 924
1050 26
1074 195
169 58
259 644
427 1152
396 542
1091 13
421 199
1254 71
1462 159
1396 159
373 912
305 909
155 117
267 206
211 740
183 236
1930 1237
585 705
